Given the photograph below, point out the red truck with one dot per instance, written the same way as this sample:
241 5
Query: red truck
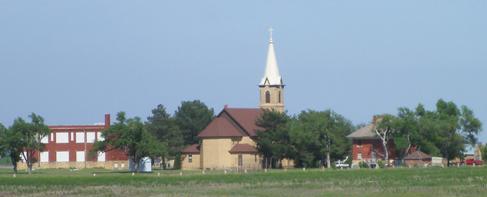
471 162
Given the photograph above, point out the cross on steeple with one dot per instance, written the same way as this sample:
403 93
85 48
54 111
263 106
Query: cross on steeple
270 34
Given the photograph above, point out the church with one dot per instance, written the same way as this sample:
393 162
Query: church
228 142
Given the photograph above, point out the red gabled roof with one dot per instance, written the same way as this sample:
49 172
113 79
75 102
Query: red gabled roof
220 127
192 149
243 148
245 117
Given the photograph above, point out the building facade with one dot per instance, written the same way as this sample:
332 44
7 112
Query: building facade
69 146
228 142
367 146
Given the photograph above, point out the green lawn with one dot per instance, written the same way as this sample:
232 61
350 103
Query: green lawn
365 182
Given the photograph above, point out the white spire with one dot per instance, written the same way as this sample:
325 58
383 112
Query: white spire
271 75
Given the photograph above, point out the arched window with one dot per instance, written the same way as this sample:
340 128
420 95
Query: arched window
267 97
279 97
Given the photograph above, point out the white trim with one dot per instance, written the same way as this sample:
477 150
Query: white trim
62 137
80 137
44 156
62 156
80 156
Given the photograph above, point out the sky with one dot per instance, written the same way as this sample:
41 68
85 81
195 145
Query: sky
74 61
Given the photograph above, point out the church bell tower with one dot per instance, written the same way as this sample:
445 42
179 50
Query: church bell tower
271 87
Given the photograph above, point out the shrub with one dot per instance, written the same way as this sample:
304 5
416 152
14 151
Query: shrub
362 164
381 164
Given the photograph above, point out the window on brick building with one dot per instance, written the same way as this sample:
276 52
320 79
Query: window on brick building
45 139
62 137
45 156
62 156
80 156
80 137
90 137
190 158
101 156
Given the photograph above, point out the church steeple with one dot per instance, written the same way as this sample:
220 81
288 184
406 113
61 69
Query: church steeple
271 86
271 75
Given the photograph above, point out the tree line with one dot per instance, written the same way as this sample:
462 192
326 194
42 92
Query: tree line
161 136
316 138
310 138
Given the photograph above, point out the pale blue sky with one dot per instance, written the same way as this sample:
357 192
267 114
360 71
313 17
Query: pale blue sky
73 61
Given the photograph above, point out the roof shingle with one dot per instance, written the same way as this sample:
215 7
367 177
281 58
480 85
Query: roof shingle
366 132
192 149
417 155
220 127
242 148
246 118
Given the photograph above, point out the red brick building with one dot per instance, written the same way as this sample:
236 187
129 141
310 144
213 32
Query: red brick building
68 146
367 147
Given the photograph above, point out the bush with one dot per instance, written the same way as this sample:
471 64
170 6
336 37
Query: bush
381 164
362 164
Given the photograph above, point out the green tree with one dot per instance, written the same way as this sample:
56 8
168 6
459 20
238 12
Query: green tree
444 131
385 130
320 136
10 145
483 150
192 117
131 136
164 127
273 140
30 135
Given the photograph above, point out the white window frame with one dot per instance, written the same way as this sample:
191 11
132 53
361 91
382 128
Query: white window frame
44 156
99 137
80 156
62 156
90 137
101 156
45 139
80 137
62 137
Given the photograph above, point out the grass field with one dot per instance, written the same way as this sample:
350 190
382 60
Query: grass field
364 182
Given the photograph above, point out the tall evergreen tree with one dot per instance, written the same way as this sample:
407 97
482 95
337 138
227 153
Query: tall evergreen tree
164 127
192 117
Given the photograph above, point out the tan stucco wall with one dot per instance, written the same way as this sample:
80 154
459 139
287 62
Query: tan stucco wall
195 164
247 140
215 153
249 161
274 102
114 165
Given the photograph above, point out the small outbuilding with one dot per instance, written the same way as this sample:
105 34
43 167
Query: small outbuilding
190 158
417 159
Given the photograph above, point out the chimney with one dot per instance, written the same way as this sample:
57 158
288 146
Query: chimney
107 121
377 118
225 106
